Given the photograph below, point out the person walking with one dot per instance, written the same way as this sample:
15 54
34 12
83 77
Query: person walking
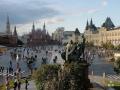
19 84
7 83
15 84
26 84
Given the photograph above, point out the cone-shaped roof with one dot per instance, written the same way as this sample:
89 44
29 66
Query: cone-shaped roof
77 31
108 23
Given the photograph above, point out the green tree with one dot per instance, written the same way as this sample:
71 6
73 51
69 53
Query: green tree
108 45
117 47
44 73
90 44
117 66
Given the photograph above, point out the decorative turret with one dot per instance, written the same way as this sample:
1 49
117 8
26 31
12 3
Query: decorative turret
8 26
77 31
92 26
91 22
15 32
87 26
108 23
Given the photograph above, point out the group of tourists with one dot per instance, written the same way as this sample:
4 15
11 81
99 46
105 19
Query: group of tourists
29 56
6 69
2 69
17 84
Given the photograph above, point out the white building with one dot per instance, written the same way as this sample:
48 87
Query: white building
58 34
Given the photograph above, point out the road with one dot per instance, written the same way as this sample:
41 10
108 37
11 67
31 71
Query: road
97 68
100 66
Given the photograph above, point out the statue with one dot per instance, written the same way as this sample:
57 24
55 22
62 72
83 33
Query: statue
74 51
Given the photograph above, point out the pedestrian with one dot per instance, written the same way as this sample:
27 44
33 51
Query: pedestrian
7 83
26 84
7 70
19 84
15 84
10 63
2 69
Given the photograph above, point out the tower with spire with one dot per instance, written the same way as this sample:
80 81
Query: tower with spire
8 26
44 28
91 22
87 26
33 27
91 26
15 32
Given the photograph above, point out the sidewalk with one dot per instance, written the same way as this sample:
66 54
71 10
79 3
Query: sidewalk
31 86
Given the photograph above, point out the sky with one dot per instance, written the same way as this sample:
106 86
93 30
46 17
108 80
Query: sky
70 14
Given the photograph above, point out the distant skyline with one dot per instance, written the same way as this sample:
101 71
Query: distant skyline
70 14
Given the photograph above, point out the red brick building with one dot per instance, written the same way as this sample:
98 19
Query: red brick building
39 37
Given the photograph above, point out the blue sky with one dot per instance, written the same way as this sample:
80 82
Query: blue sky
57 13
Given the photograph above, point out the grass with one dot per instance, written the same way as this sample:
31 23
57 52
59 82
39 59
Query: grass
113 84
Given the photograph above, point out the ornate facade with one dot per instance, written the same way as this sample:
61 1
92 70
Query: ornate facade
39 36
106 33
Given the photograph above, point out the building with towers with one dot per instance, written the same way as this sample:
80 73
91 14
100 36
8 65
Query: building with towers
108 32
39 36
8 38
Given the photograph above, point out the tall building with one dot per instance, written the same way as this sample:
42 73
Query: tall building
106 33
33 28
15 32
6 38
58 34
8 31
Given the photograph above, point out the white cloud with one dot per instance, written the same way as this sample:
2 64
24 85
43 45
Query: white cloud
26 28
104 3
53 20
94 10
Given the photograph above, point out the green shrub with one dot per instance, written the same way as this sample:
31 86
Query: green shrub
42 74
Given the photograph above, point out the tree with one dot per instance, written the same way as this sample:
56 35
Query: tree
107 45
117 66
117 47
90 44
45 73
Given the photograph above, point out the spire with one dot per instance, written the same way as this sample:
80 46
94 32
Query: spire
44 28
33 27
15 32
87 26
91 22
8 26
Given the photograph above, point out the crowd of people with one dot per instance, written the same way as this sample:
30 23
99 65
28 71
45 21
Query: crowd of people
17 84
29 55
